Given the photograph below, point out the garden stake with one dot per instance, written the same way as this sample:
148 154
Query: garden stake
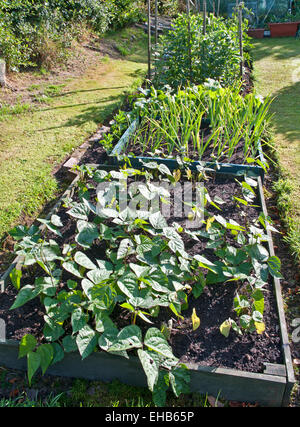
156 23
204 17
149 39
218 9
241 38
189 38
2 73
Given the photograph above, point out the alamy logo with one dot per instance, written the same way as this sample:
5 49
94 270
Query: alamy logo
183 201
296 332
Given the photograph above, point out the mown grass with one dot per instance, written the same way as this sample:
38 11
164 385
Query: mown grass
277 73
33 140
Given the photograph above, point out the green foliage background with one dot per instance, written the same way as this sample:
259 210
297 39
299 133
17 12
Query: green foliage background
29 28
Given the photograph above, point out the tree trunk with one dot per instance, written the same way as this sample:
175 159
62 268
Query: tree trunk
2 73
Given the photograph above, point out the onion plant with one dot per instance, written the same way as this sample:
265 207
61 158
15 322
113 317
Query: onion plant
203 120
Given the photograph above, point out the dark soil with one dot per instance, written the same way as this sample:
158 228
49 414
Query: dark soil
208 347
95 155
247 86
205 346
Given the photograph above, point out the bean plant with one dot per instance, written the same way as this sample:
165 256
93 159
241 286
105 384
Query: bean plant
132 259
187 56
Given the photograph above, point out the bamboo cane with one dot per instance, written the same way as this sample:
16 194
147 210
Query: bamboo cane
156 22
240 16
204 17
189 37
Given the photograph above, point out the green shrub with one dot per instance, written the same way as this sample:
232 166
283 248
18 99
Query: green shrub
38 32
12 49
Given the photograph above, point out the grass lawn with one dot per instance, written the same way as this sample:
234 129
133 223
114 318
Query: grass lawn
41 135
63 392
277 73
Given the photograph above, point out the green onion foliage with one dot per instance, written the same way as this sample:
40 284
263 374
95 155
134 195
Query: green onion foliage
201 119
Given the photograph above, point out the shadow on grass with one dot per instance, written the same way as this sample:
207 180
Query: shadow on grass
96 113
286 112
87 90
279 48
138 73
100 101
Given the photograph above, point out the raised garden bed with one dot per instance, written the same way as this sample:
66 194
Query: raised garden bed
119 152
284 29
247 367
256 33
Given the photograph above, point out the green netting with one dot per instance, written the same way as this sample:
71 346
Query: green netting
259 7
261 10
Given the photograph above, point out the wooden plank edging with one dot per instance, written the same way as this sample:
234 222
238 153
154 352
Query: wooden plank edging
230 384
280 308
